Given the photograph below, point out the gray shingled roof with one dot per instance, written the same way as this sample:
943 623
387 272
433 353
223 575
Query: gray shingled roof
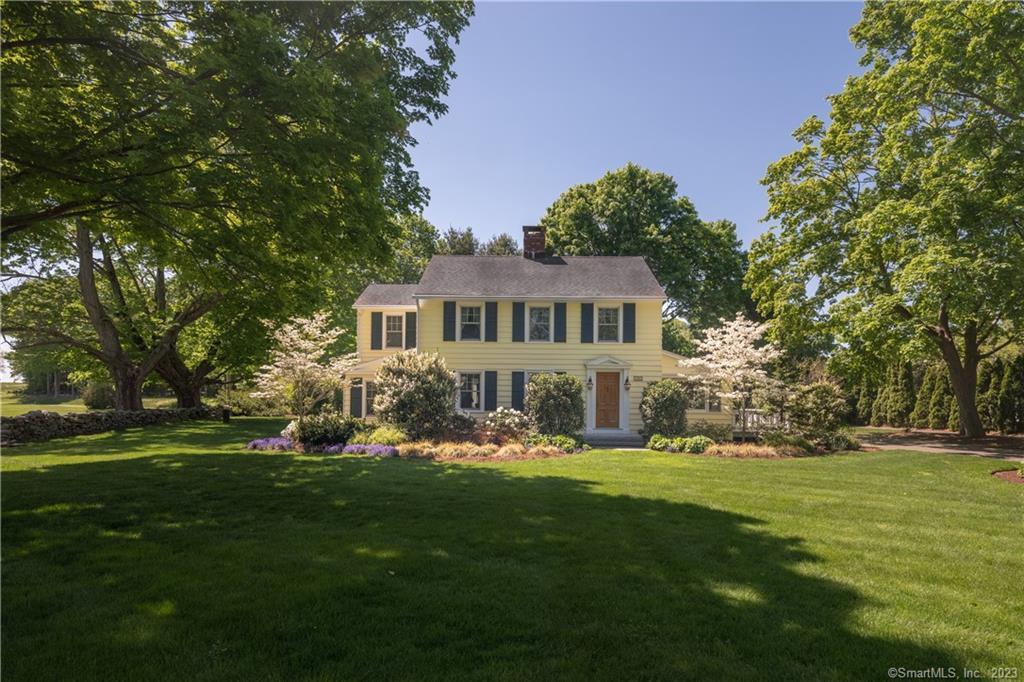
387 294
555 277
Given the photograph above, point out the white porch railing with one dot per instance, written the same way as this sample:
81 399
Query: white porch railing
757 421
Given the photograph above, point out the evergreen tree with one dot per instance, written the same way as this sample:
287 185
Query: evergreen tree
878 408
990 377
900 396
864 404
1011 396
953 423
919 417
938 406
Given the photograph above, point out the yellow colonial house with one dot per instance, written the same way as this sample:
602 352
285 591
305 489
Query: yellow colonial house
497 320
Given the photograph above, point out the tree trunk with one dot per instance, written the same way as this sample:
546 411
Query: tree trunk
187 384
963 377
127 388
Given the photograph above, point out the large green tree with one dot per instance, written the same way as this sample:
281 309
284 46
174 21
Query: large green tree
900 222
634 211
252 150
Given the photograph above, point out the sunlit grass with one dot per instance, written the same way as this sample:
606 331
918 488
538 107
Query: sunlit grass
173 553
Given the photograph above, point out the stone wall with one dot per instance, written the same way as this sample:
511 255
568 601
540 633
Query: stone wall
40 425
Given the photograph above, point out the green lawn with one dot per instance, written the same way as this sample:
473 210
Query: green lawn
13 402
172 553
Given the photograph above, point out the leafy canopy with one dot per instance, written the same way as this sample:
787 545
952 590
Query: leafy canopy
633 211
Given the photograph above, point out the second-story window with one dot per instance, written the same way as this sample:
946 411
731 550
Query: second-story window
469 323
608 324
540 323
393 331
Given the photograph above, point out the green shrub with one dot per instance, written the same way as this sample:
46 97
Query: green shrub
560 441
460 427
694 445
779 438
817 410
241 402
416 391
554 403
663 408
842 440
720 433
385 434
325 428
98 396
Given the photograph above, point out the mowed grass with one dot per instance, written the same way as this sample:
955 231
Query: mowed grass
172 553
14 401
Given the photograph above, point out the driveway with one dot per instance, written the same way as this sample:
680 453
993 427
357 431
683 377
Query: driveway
922 440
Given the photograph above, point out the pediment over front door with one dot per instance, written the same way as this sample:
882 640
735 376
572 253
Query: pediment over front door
606 362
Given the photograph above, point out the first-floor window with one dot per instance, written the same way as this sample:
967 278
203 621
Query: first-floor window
371 392
714 402
608 324
393 331
540 324
469 323
469 391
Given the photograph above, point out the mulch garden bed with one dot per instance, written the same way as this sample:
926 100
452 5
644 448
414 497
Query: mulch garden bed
1013 476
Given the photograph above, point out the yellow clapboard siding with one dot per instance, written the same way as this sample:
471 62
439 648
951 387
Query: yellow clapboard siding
506 356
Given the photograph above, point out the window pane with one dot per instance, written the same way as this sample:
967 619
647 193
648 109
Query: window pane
371 391
470 322
393 329
469 391
714 402
540 324
607 324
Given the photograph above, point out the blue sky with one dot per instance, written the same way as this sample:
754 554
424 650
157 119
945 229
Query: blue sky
551 95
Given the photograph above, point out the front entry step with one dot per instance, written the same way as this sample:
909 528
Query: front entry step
614 440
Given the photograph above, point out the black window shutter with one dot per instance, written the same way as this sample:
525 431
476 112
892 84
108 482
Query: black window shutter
559 322
629 322
449 320
518 315
376 331
586 323
410 330
490 391
355 396
518 383
491 321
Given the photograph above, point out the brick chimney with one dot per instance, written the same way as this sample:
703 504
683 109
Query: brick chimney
534 241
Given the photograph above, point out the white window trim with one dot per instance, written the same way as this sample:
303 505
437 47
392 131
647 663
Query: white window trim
366 397
458 321
551 323
401 325
597 326
483 390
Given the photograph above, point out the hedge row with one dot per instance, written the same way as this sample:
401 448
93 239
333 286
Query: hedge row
40 425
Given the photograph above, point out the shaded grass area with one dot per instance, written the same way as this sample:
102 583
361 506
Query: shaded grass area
172 553
13 401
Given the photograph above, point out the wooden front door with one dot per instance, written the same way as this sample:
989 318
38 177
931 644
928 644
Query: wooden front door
607 400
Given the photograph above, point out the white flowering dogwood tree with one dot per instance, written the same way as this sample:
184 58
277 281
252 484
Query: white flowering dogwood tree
732 361
302 372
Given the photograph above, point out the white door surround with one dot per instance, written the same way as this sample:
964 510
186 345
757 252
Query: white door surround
606 363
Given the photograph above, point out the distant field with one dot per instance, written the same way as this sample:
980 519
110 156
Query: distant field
13 402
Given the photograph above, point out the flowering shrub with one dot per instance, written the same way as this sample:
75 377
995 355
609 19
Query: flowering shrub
416 392
372 450
554 403
693 445
507 423
663 408
272 443
460 427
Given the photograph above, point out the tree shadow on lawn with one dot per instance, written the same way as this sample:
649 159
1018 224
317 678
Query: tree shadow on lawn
263 566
